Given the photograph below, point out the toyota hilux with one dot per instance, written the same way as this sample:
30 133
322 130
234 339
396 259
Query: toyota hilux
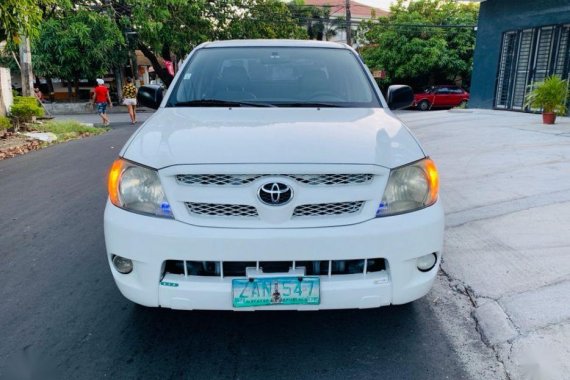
273 176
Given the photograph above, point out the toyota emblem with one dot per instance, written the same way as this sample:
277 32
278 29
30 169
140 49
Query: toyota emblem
275 193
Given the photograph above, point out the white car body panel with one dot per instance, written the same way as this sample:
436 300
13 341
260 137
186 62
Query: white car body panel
273 144
400 239
273 135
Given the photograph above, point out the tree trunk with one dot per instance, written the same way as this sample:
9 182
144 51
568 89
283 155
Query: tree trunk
76 85
69 90
50 88
26 67
159 70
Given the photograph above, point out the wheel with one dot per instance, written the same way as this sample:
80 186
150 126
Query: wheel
424 105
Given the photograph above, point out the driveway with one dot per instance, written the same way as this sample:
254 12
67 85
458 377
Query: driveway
506 189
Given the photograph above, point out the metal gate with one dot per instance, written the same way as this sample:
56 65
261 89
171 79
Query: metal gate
529 56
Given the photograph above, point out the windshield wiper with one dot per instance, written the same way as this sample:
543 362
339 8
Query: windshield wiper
219 103
309 104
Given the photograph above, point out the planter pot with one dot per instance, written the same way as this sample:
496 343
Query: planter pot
548 118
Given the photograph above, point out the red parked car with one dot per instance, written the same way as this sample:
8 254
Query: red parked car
439 97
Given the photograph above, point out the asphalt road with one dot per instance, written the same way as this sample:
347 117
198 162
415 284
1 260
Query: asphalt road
62 317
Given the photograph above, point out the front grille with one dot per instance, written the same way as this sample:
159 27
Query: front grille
217 179
247 211
328 209
245 179
217 209
332 179
238 268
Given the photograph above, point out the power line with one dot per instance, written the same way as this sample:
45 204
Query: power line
375 23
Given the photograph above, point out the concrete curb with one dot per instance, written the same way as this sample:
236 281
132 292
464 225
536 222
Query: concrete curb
494 323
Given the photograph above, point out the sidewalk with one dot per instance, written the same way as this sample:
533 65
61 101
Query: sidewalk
506 190
117 119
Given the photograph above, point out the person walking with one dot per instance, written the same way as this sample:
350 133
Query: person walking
101 98
130 99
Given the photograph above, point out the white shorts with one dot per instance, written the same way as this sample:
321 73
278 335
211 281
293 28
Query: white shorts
129 102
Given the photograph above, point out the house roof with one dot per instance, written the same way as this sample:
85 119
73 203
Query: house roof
357 10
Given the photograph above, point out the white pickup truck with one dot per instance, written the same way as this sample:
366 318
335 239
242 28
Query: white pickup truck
273 176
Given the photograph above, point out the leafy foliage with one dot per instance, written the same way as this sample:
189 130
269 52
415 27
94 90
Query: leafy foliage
4 123
24 108
550 95
419 55
164 27
262 19
316 20
20 17
82 44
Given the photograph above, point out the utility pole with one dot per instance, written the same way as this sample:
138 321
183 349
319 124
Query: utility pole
348 23
26 67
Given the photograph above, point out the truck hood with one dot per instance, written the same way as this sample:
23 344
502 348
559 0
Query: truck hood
175 136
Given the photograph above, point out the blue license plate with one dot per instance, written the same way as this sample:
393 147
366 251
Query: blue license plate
276 291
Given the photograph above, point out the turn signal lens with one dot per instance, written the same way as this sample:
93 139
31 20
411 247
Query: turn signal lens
137 188
433 180
409 188
113 182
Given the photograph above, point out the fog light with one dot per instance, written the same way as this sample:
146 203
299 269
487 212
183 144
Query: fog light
427 262
123 265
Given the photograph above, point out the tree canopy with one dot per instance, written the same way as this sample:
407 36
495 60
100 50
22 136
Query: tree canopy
78 44
84 38
317 21
422 42
20 17
164 27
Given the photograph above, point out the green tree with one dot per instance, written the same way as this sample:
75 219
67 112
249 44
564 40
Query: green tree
162 28
317 21
420 44
78 44
20 17
261 19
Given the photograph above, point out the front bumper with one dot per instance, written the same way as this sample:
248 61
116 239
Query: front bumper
150 241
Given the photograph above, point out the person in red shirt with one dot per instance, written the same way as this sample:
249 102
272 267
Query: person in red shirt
101 97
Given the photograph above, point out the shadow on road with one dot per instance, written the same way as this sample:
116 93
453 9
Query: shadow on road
332 344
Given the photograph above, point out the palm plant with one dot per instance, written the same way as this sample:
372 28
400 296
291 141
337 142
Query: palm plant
550 95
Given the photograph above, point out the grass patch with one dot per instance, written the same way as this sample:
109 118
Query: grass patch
69 129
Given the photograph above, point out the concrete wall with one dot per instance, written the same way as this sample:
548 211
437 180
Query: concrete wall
69 108
497 17
5 91
85 108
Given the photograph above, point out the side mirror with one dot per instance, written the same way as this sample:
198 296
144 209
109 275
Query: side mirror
150 96
399 96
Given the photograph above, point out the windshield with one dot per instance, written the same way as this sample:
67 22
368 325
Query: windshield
273 76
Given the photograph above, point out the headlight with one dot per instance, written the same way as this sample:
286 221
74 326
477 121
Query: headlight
137 188
410 188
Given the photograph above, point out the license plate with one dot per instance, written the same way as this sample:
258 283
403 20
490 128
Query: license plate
276 291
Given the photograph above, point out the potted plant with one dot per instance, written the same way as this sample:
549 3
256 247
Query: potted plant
551 96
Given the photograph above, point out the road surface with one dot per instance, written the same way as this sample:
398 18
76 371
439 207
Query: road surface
61 315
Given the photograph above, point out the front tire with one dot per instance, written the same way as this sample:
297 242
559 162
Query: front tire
424 105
